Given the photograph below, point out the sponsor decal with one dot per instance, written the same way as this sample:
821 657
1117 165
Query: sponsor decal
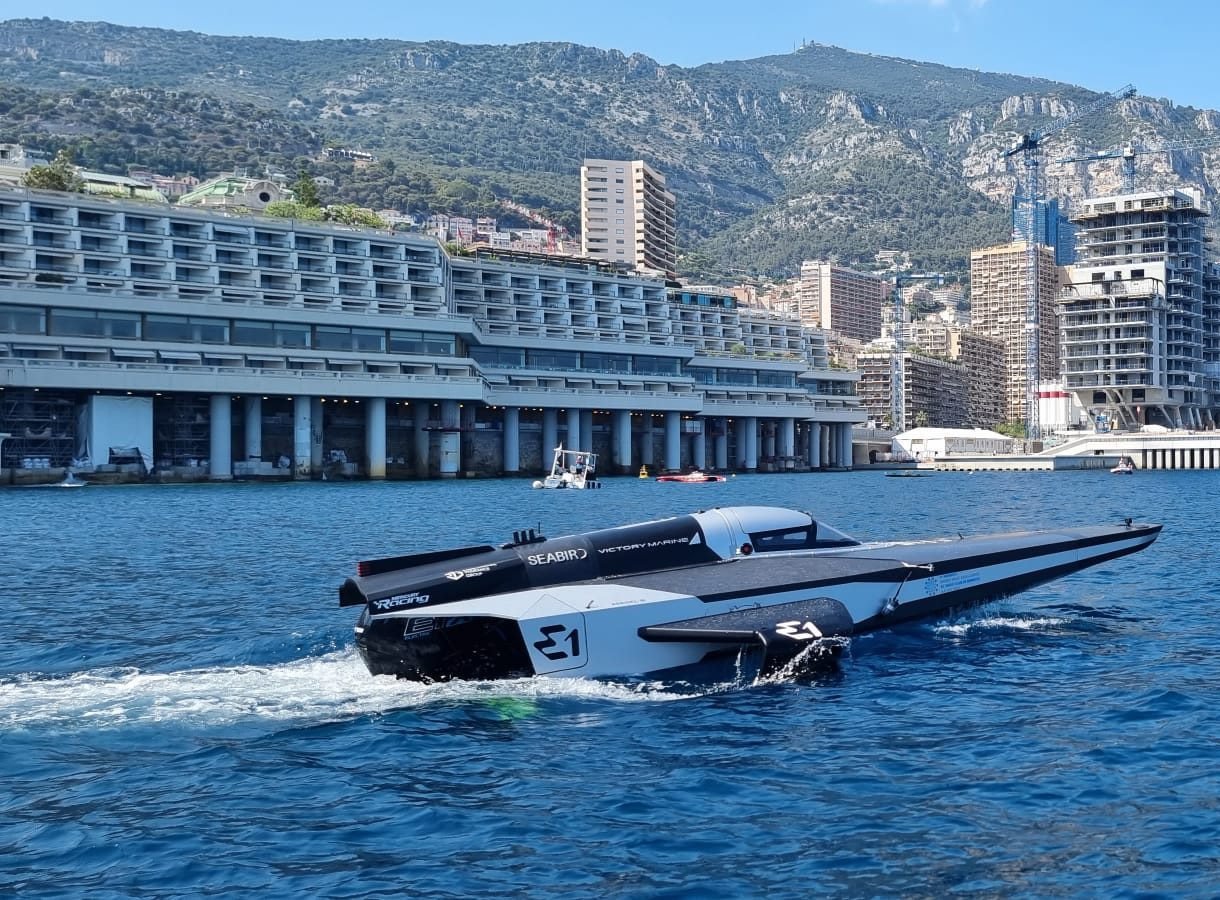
549 645
472 572
557 556
650 545
798 631
417 628
415 598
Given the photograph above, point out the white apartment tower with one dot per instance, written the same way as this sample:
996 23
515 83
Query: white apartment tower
999 294
1138 315
627 215
841 300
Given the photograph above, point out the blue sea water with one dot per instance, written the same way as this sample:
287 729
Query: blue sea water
183 714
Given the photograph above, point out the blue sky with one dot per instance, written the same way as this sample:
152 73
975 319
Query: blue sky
1165 49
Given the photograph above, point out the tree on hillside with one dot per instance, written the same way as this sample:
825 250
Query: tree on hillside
60 175
306 190
292 209
350 214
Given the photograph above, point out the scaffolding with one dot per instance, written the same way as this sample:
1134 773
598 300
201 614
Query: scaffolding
42 428
182 432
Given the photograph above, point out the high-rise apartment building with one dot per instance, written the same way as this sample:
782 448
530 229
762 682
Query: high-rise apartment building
999 296
933 389
982 356
1050 226
627 216
1139 313
841 300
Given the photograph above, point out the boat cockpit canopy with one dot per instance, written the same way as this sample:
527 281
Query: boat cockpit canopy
814 536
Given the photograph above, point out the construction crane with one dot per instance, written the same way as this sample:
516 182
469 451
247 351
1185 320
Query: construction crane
1128 154
1030 147
898 401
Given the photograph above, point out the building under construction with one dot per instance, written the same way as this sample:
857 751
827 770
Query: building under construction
1139 316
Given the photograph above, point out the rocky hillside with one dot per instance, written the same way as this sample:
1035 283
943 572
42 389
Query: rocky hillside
817 153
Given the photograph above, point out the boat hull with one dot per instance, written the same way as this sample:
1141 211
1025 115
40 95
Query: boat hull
626 625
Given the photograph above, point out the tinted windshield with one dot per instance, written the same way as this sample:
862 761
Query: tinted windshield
806 537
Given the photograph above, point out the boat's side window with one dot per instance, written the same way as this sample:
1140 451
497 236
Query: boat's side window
788 539
806 537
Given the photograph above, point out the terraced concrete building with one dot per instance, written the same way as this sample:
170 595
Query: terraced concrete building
213 345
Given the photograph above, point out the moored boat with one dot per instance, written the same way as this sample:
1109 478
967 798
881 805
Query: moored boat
773 584
574 469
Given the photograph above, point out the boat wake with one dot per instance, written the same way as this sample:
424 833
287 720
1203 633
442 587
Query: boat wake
329 688
999 623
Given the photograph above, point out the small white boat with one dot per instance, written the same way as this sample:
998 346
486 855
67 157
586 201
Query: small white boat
1126 466
576 469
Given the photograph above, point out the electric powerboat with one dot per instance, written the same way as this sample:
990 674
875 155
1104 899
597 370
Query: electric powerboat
698 476
656 597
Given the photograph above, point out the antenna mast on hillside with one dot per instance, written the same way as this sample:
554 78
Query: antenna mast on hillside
1030 147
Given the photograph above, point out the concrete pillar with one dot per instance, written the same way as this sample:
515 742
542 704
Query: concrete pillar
374 436
787 442
512 440
302 415
824 446
574 439
722 444
815 445
751 444
422 439
646 439
451 439
220 430
768 440
848 446
254 427
586 428
673 440
316 435
741 423
698 451
621 444
550 435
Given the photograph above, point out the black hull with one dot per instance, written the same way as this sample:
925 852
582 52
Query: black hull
472 649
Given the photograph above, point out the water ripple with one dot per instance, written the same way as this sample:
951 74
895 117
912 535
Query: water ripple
184 714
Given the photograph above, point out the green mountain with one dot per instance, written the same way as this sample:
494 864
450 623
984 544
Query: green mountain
820 153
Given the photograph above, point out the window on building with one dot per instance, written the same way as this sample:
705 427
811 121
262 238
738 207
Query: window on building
423 342
552 359
87 323
22 320
186 329
606 362
504 357
655 365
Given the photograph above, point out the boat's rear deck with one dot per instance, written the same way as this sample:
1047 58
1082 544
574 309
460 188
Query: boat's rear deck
748 575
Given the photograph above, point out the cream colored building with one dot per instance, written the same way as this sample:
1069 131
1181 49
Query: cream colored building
999 297
841 300
627 216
